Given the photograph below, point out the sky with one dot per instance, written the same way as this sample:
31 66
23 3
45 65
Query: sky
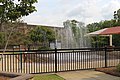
55 12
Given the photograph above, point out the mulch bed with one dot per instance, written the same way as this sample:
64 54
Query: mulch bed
4 78
110 70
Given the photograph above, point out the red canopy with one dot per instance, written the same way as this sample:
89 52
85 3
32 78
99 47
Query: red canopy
112 30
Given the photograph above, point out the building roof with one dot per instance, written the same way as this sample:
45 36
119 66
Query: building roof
112 30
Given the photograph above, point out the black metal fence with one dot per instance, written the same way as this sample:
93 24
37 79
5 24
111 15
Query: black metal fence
44 61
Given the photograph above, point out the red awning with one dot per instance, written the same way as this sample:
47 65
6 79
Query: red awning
112 30
106 31
96 33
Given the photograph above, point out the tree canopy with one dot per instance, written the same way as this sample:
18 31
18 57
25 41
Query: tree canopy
117 15
11 10
105 24
41 34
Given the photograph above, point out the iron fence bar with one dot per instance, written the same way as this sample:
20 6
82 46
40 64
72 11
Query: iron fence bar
13 62
36 61
2 61
10 64
7 63
55 60
79 60
29 63
21 62
39 62
105 57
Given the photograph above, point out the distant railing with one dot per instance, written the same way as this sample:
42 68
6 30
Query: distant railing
44 61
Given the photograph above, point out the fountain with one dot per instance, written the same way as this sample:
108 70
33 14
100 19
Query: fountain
73 35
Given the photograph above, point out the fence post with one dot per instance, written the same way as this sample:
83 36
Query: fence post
21 62
105 57
55 60
2 56
20 58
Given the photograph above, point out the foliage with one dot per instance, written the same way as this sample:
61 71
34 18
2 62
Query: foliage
117 15
44 48
103 40
18 38
48 77
10 10
74 28
118 67
116 39
102 24
42 34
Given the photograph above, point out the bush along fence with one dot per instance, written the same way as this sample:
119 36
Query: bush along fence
45 61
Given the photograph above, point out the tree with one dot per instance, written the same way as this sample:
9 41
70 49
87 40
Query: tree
117 15
74 28
18 38
42 34
105 24
11 10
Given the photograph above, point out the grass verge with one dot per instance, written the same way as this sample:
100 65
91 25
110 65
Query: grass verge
48 77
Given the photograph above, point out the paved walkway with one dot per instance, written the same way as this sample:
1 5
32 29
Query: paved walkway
86 75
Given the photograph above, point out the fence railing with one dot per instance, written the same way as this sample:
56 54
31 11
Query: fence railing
44 61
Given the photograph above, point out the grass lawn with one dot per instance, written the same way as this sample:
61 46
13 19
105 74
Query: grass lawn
48 77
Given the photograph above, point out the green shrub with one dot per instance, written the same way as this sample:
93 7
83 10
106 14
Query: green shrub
118 67
44 48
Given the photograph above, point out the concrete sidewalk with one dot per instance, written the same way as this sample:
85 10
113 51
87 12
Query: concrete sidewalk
86 75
